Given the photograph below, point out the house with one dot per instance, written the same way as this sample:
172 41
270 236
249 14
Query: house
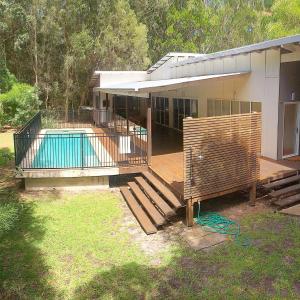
260 77
190 128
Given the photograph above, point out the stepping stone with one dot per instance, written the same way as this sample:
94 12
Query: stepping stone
207 241
198 238
294 210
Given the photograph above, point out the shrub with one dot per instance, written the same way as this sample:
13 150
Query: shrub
6 78
18 105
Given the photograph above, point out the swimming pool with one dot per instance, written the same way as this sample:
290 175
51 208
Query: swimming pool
65 149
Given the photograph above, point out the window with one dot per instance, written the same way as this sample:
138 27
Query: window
255 106
161 110
184 108
120 105
97 101
216 107
235 107
245 107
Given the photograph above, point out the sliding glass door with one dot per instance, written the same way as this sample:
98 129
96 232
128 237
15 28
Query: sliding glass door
291 130
184 108
161 111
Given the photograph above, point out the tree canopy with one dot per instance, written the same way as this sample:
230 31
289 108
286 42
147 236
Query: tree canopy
56 45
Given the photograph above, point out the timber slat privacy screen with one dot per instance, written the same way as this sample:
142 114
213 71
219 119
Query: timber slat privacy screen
220 153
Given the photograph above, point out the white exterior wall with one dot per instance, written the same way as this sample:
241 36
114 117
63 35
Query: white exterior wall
261 85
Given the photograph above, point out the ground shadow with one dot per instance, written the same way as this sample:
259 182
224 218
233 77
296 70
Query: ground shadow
136 281
23 271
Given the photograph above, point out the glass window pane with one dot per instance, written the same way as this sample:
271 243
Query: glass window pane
218 107
194 108
167 119
181 106
235 107
210 108
157 116
180 125
255 106
225 107
187 109
245 107
162 117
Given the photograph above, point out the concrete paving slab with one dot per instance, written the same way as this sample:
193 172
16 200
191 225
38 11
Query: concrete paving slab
198 238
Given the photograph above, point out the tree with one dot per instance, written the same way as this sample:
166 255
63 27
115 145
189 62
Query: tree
284 19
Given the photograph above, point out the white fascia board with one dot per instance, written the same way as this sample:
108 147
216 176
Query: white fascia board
163 85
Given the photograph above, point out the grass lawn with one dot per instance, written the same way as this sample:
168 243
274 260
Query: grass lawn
63 246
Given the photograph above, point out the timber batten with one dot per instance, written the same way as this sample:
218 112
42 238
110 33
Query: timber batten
221 154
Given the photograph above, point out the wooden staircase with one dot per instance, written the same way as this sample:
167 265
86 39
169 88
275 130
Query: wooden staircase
151 202
284 192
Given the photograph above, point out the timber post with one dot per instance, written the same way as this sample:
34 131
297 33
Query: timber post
252 194
149 130
106 101
189 213
127 121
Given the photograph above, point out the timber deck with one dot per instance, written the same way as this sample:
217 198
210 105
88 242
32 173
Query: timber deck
170 168
110 143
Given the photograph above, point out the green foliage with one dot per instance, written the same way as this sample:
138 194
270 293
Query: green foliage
5 156
56 45
18 104
6 78
9 213
284 19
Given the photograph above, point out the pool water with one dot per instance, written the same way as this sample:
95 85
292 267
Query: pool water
65 149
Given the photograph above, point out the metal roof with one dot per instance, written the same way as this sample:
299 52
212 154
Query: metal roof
245 49
149 86
169 56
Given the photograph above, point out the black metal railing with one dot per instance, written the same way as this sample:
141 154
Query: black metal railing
75 118
57 150
120 143
24 137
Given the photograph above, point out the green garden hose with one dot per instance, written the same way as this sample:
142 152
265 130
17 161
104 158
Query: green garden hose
216 223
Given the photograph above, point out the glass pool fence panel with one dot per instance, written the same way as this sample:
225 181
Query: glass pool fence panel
81 150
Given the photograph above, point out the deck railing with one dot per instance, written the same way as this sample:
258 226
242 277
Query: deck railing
120 143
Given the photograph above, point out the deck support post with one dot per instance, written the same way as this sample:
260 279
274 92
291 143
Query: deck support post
149 130
106 101
252 194
127 121
189 213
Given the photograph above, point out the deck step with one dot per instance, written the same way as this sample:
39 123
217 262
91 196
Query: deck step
153 195
148 206
288 201
281 182
163 190
284 191
139 213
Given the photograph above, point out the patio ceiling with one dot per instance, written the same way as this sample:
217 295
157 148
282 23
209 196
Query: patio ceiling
149 86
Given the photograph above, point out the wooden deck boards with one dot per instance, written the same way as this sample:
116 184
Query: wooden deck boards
170 168
110 143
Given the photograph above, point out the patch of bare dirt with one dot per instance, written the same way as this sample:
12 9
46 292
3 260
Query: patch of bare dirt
235 206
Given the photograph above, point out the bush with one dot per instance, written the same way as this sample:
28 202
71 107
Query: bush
18 105
7 80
